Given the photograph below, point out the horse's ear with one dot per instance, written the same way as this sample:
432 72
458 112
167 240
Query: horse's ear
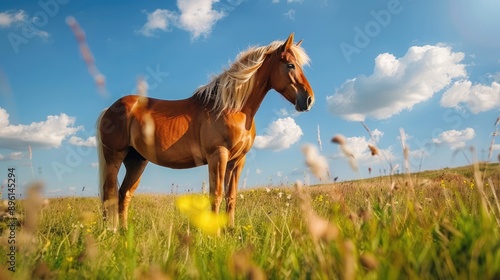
300 42
289 42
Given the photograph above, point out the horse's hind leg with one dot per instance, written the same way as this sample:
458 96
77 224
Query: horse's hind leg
109 164
134 164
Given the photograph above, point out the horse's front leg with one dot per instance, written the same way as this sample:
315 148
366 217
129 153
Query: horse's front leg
233 173
217 165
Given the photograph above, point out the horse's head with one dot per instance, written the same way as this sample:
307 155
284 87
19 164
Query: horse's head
288 78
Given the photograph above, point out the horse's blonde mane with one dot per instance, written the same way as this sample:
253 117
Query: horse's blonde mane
230 90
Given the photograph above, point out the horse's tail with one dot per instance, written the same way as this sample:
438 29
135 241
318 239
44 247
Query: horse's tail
100 155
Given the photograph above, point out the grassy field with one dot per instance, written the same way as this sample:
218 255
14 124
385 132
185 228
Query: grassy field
441 224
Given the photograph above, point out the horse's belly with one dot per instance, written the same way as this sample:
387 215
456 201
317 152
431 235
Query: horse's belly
179 160
177 156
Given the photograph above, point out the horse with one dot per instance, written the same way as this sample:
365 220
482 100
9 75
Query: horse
214 126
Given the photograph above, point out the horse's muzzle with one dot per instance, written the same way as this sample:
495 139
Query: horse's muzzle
304 102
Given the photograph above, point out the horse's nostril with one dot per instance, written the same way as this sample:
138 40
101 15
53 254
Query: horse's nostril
309 101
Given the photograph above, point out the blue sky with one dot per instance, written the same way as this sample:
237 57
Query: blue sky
431 68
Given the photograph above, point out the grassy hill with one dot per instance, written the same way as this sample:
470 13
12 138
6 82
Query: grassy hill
432 224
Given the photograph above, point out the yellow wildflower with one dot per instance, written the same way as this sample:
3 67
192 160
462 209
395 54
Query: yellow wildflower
197 209
192 203
248 227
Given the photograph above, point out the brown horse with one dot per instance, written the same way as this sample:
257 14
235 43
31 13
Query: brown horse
214 126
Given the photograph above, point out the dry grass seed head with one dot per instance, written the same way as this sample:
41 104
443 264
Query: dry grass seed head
148 129
353 217
316 162
154 273
365 214
34 204
42 271
350 264
87 56
350 157
142 87
406 150
319 228
339 139
492 145
240 264
373 149
4 207
88 218
394 169
419 206
342 142
368 261
91 248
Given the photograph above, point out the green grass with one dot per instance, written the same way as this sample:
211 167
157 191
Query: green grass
436 224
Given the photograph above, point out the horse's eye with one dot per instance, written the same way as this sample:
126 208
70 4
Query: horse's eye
290 66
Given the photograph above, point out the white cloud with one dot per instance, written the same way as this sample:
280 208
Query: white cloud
377 134
77 141
94 164
418 154
478 98
10 17
195 16
397 83
496 77
159 19
455 138
20 20
42 34
284 112
290 14
12 156
46 134
279 135
258 171
16 155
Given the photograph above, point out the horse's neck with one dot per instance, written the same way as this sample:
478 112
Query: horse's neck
260 89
